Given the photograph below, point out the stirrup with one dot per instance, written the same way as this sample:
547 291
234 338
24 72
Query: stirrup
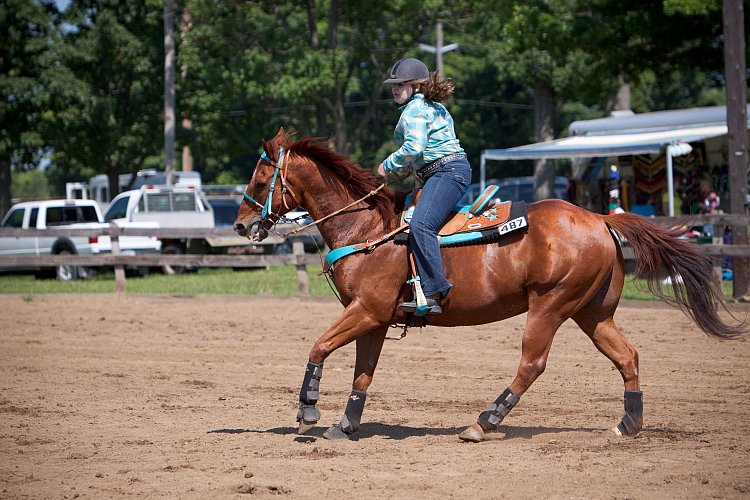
432 307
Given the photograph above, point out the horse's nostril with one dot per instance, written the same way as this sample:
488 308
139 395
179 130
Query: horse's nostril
240 229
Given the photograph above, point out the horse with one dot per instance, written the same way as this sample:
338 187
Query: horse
567 264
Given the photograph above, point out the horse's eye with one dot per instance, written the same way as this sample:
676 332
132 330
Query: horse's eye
260 186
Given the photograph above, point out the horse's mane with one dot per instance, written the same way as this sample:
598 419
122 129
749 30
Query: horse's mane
359 181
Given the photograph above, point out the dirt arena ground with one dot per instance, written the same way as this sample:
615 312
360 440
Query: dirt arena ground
195 397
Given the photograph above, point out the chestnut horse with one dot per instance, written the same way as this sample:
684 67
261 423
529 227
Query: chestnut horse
568 264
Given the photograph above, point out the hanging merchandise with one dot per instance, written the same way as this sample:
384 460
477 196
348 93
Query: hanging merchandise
613 188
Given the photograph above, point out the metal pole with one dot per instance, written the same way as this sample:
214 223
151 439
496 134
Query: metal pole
439 47
482 171
670 181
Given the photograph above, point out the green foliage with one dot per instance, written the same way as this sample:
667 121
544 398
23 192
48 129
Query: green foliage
86 87
107 87
691 7
226 178
30 184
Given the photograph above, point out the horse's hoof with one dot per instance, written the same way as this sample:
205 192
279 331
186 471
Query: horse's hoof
304 427
616 431
335 433
472 434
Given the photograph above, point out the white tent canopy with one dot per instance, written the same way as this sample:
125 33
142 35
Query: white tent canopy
629 134
588 146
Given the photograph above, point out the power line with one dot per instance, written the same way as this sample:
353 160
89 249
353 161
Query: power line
360 104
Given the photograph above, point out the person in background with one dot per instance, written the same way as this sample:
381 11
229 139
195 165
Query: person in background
613 191
709 199
709 202
642 206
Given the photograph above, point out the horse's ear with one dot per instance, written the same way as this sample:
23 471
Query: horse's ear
271 149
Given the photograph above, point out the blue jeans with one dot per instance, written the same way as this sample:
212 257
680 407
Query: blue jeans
441 192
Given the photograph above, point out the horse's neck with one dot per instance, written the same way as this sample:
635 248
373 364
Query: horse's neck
352 225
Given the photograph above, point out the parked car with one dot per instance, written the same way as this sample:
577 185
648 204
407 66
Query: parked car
75 214
225 213
515 189
311 237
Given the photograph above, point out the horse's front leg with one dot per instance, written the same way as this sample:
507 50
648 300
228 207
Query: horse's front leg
368 353
355 321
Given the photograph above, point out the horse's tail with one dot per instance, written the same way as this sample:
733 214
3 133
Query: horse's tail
697 290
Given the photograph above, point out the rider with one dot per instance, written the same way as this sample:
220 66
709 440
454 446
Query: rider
428 147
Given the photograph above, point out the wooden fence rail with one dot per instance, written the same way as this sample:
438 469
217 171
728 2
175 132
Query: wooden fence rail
298 258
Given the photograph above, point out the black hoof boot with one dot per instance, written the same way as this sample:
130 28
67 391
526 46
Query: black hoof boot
307 417
632 421
336 433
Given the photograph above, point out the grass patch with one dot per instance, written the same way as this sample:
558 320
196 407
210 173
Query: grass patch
276 281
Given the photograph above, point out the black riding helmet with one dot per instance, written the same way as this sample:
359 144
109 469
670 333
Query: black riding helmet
407 70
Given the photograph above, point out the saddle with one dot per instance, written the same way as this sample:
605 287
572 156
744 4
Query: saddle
485 220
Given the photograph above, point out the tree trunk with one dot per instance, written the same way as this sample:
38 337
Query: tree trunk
339 114
544 116
621 100
169 91
321 110
5 194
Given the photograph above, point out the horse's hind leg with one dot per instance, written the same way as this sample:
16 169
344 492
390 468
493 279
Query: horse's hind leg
610 341
368 353
541 325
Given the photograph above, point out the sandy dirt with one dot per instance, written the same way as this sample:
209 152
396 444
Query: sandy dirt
195 397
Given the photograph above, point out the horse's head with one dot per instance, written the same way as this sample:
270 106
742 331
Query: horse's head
268 196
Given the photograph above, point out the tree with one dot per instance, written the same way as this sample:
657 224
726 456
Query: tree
316 68
107 89
29 26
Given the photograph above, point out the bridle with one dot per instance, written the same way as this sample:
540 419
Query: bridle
268 217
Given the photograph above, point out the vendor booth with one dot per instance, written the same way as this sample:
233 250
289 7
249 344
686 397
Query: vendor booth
659 157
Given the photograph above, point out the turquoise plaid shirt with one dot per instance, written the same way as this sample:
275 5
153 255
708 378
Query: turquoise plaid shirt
424 133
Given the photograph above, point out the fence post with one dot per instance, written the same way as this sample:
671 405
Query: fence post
298 248
114 237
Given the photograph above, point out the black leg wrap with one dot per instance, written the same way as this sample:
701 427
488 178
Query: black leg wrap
632 421
353 414
493 415
309 393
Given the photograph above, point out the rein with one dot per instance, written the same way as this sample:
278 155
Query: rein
314 223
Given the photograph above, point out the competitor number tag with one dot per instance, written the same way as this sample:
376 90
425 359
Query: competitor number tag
512 225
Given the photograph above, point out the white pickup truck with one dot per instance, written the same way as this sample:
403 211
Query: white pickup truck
76 214
175 207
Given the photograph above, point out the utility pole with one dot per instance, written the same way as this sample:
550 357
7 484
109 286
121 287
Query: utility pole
169 121
438 49
736 90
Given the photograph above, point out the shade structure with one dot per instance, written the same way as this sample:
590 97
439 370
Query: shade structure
611 144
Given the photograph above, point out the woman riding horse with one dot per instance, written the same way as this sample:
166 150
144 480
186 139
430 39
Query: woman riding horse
568 264
429 148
